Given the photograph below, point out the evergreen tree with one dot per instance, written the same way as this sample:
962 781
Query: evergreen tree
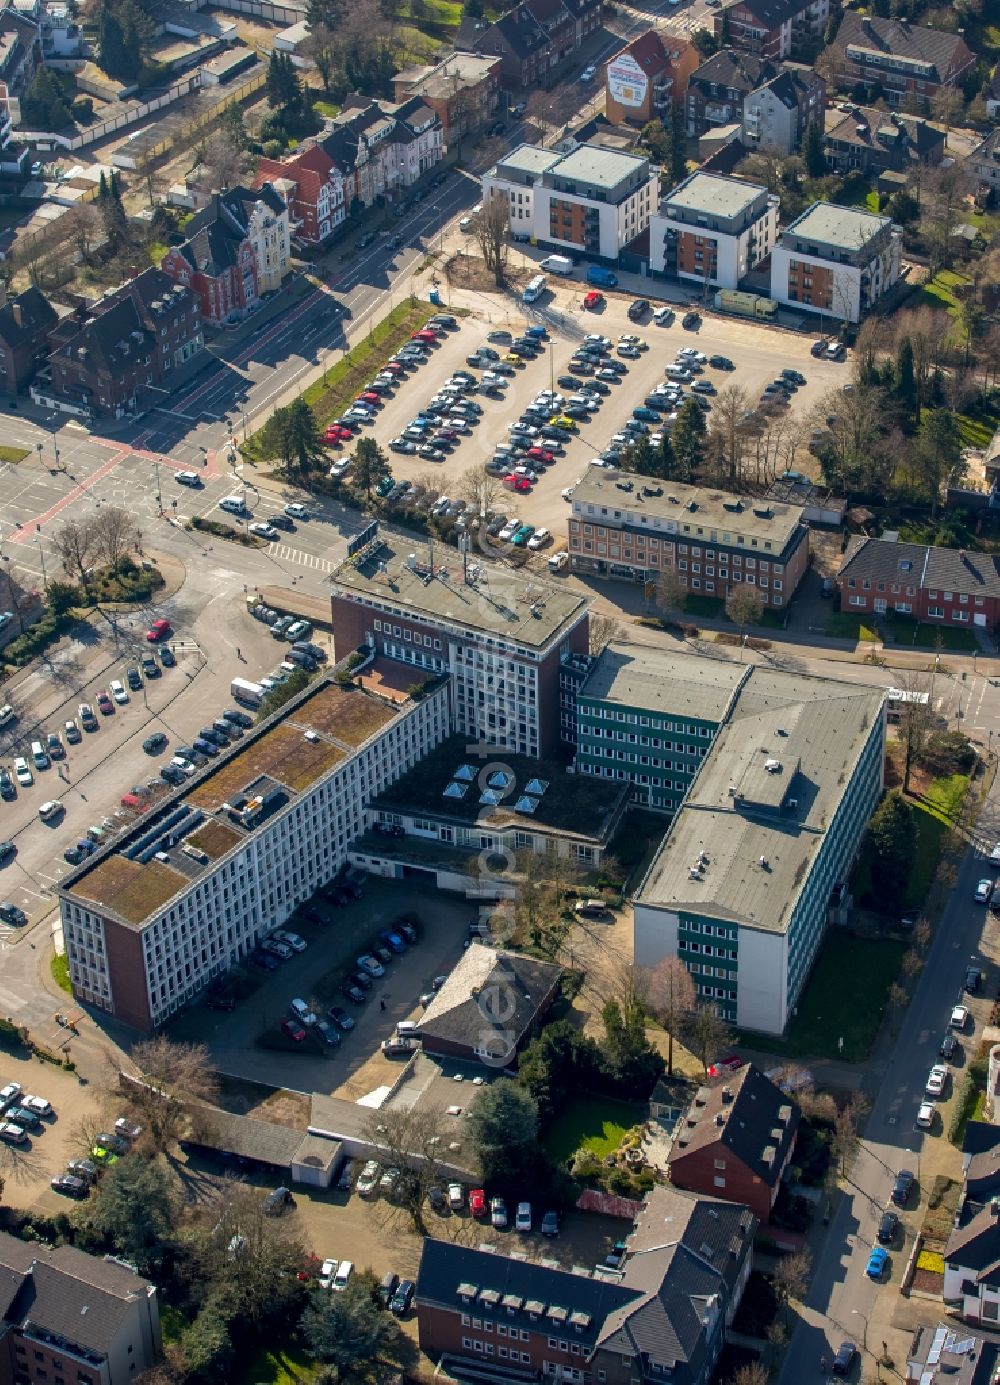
325 14
813 152
892 835
111 42
301 445
904 383
370 465
44 105
284 90
689 439
663 463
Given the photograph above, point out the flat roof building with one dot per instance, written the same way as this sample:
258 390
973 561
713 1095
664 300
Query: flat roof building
497 631
740 886
636 527
191 889
838 260
713 229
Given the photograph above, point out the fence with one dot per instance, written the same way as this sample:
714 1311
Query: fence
265 9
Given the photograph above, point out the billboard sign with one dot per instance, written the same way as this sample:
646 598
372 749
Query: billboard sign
362 540
627 83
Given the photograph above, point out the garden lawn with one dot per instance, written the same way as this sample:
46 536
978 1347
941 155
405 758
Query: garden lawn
845 997
921 634
279 1367
711 607
975 432
939 291
593 1123
60 972
13 454
843 625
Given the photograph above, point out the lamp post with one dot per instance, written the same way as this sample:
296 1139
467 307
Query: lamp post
41 554
857 1313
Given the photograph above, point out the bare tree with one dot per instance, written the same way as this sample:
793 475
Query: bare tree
410 1141
168 1076
15 594
603 629
84 228
751 1373
75 544
744 605
946 106
670 590
479 489
707 1032
898 1000
490 228
222 164
672 999
791 1277
727 436
116 534
916 720
846 1129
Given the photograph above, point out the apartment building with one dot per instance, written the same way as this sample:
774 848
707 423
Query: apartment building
777 114
772 28
711 539
664 1316
121 357
836 260
952 586
498 633
370 150
68 1316
736 1141
463 91
982 165
949 1354
873 141
711 230
903 60
718 89
591 201
649 717
648 78
740 886
238 248
972 1256
26 320
191 889
533 39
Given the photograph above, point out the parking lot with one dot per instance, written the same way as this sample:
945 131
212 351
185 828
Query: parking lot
758 353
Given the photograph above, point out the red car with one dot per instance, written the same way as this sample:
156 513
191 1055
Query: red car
521 484
541 454
159 630
593 299
394 368
477 1202
731 1064
425 335
105 704
337 433
294 1031
368 397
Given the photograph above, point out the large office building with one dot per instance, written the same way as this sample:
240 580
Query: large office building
498 632
592 201
740 887
713 230
649 716
192 888
636 527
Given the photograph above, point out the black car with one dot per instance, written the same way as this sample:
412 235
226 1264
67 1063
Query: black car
973 977
353 993
153 744
238 718
948 1047
166 654
691 320
221 1002
285 522
132 678
406 929
340 1017
844 1359
901 1187
7 851
402 1298
389 1285
361 980
887 1228
69 1185
638 309
721 363
366 240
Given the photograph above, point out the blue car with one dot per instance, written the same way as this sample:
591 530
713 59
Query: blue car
392 940
877 1262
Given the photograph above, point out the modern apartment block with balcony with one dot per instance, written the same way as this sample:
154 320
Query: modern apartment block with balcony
836 260
591 201
712 230
904 61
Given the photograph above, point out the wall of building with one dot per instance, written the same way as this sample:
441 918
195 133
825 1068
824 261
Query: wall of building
699 1171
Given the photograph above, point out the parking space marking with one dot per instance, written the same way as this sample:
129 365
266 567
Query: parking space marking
298 555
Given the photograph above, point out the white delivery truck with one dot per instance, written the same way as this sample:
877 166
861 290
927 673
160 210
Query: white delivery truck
558 264
249 694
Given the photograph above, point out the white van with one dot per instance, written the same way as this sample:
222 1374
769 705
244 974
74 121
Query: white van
7 715
233 504
344 1271
406 1028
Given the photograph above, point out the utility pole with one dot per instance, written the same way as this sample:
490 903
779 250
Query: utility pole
41 554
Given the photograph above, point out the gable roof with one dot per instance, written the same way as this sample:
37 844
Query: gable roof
945 53
742 72
748 1115
651 53
864 127
987 151
35 311
770 14
520 30
982 1177
976 1246
455 1014
126 321
980 1137
916 564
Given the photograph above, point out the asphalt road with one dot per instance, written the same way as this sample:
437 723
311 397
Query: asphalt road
841 1299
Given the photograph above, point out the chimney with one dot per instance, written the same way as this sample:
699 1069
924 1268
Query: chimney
17 312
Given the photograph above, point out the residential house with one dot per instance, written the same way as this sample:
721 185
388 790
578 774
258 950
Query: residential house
664 1316
951 1355
836 260
972 1255
368 151
710 231
871 141
20 51
72 1316
592 201
736 1141
983 168
952 585
237 249
492 1003
122 358
900 60
718 89
533 38
777 114
648 78
992 94
25 324
772 28
463 91
15 158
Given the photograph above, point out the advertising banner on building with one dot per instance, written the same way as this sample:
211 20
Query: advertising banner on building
627 83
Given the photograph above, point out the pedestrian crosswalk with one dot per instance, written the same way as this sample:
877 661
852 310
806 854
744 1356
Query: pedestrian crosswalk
298 555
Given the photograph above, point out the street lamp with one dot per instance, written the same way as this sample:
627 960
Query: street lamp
41 554
857 1313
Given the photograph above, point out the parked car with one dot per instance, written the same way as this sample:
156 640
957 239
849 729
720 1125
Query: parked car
550 1224
948 1046
522 1219
887 1228
477 1202
402 1298
901 1187
959 1017
498 1213
844 1359
368 1178
877 1262
937 1079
